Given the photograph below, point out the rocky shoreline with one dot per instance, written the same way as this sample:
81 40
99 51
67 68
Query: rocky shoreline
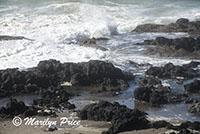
52 74
181 25
178 47
46 80
56 83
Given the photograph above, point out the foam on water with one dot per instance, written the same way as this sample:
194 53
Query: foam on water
55 24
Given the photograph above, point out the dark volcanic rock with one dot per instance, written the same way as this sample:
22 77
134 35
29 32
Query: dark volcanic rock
158 95
55 97
181 25
188 125
149 28
193 87
14 108
185 128
171 71
143 93
195 108
122 118
18 108
52 73
160 124
91 43
6 37
184 46
148 82
152 91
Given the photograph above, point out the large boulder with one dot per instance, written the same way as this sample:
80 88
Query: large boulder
121 117
148 82
15 108
156 95
54 97
92 43
194 108
193 87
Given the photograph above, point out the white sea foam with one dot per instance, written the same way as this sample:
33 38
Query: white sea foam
54 24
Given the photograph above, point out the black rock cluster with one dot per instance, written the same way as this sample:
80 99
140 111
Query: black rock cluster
52 73
175 72
181 25
151 90
121 117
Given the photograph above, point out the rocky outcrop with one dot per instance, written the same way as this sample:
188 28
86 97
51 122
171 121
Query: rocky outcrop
158 95
148 82
6 37
175 72
193 87
181 25
187 127
18 108
179 47
92 43
52 73
122 118
54 97
194 108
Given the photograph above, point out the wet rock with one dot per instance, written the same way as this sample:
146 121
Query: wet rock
158 95
18 108
134 64
6 37
181 25
52 73
189 125
184 46
149 28
52 128
194 108
91 43
160 124
122 118
142 93
193 87
54 97
148 82
185 128
171 71
13 108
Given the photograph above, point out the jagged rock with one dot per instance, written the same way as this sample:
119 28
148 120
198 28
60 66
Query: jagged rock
193 87
158 95
18 108
55 97
13 108
194 108
6 37
160 124
52 73
149 28
171 71
122 118
91 43
181 25
148 82
184 46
